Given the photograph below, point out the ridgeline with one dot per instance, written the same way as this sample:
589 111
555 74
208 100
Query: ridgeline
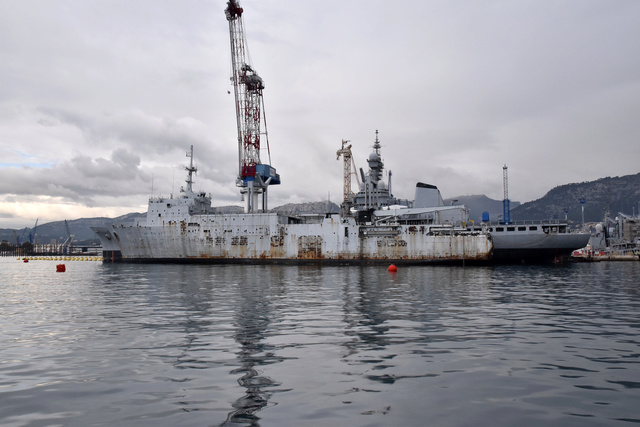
605 195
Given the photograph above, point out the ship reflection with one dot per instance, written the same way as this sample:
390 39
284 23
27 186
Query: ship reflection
253 317
365 312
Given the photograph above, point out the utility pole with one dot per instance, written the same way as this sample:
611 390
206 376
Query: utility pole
506 209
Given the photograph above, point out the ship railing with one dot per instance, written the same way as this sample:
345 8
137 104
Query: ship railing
379 231
528 222
387 220
441 230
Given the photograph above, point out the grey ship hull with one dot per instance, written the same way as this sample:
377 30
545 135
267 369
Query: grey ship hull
537 248
529 242
273 238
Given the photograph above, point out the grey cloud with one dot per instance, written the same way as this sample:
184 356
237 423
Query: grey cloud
136 129
456 89
79 179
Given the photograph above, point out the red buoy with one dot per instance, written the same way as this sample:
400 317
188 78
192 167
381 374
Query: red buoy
393 268
60 268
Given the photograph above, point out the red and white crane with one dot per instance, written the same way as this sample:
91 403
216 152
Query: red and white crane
254 177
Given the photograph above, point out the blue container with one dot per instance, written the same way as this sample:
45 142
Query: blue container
266 172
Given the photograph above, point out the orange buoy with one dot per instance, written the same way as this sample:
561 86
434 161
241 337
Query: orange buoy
25 260
60 268
393 268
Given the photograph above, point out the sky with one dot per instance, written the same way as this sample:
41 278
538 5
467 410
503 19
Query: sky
101 99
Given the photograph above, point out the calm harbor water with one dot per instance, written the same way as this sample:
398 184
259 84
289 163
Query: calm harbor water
292 346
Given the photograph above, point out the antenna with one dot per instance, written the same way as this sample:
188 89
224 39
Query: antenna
191 169
506 209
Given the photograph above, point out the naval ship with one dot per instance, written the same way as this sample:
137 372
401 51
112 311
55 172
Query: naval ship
372 227
532 241
529 241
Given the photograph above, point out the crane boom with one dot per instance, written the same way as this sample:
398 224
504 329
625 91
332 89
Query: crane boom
348 158
66 245
32 235
253 176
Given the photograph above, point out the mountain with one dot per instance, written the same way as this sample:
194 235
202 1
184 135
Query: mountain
56 230
84 236
613 195
481 203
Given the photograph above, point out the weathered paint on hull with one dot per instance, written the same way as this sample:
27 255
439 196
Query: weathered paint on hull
262 238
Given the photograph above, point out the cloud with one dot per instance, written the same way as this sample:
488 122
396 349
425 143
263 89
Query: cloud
81 178
101 102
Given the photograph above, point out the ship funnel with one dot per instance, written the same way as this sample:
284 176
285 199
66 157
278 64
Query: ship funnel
427 196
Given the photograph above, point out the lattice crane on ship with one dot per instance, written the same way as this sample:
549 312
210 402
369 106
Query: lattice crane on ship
254 177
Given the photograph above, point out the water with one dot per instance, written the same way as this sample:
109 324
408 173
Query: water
308 346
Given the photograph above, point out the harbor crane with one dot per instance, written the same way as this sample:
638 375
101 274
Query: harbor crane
20 240
349 169
66 245
254 177
32 235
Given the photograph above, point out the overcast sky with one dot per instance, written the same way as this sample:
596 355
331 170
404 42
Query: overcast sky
100 99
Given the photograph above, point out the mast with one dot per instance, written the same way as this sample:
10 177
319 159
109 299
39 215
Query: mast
506 209
191 169
376 166
253 176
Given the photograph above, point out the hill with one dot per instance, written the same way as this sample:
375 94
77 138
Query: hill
613 195
56 230
481 203
84 236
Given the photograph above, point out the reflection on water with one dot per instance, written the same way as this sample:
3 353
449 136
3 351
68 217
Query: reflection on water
275 345
252 319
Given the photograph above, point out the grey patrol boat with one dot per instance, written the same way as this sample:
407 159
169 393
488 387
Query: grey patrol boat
533 241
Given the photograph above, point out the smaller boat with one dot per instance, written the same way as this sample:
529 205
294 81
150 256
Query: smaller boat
529 241
532 241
